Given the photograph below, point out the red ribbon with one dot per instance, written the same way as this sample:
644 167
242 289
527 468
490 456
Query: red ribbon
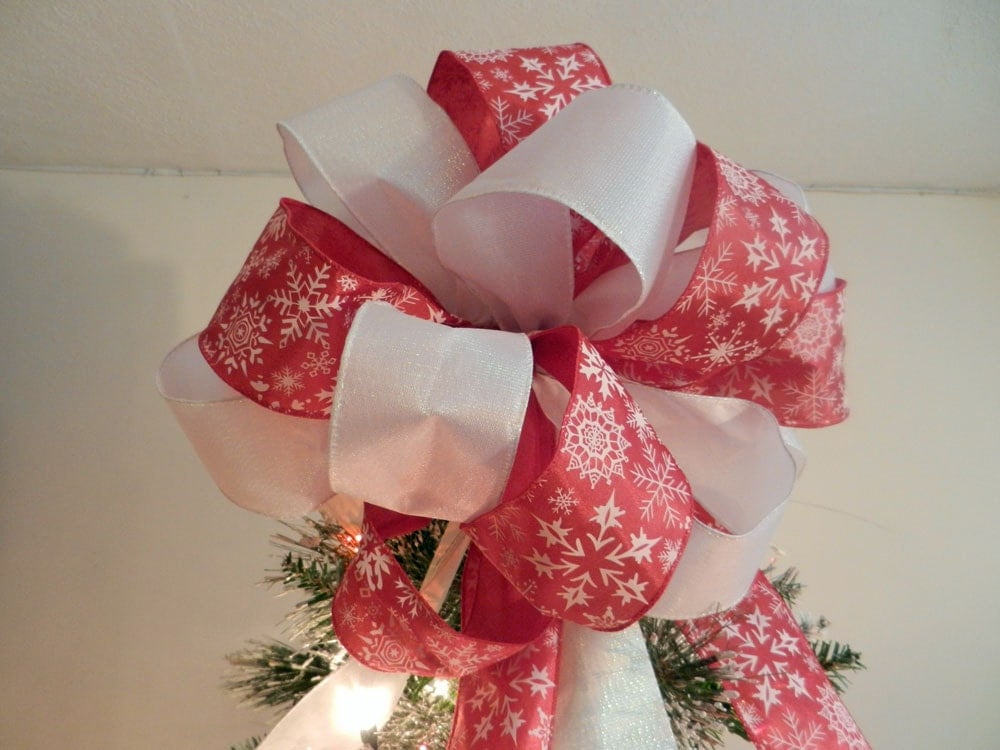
573 533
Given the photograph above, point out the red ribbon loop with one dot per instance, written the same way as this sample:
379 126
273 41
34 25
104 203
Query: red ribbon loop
278 333
586 539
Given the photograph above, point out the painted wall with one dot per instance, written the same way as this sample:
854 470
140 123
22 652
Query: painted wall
125 577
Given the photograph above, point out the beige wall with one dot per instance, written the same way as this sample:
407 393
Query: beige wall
125 577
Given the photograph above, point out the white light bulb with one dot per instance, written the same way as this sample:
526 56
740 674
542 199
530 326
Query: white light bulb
334 713
440 688
361 706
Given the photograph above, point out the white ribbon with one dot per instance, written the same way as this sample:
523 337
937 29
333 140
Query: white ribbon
608 695
443 443
426 418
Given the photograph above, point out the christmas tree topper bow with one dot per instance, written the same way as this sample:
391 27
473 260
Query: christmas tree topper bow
532 304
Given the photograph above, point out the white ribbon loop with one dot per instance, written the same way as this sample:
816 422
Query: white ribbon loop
263 461
621 157
741 471
442 446
383 160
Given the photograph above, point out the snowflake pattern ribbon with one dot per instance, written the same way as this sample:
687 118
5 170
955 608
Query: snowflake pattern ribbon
596 511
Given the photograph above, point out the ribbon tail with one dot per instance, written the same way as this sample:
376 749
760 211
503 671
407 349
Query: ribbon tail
608 696
782 694
510 705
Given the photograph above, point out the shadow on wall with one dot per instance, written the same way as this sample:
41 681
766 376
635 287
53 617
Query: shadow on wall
80 325
110 546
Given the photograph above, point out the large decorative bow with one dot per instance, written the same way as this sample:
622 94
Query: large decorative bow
530 303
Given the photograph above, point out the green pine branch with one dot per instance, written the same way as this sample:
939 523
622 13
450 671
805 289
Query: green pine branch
691 686
787 585
272 673
837 660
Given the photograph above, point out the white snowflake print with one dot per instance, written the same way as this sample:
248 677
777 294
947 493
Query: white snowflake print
591 561
781 268
511 122
483 57
595 368
483 82
435 314
712 282
553 85
348 282
750 378
370 565
767 693
638 422
751 717
262 261
323 362
286 381
241 339
543 728
269 264
744 183
725 211
719 320
305 306
276 226
764 651
669 555
388 653
810 338
325 399
512 722
797 734
407 598
594 442
813 396
667 491
378 294
654 344
563 500
504 700
835 712
404 298
351 617
538 682
506 523
730 349
461 658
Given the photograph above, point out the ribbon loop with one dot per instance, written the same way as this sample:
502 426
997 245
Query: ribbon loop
587 539
498 98
382 160
452 426
627 171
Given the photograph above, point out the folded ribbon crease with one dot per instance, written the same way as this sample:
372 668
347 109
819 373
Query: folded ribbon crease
530 303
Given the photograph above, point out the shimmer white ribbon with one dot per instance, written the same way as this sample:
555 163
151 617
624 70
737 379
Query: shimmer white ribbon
496 247
426 418
608 696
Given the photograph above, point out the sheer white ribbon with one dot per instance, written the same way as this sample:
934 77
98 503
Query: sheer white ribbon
437 410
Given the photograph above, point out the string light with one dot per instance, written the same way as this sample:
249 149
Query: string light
440 688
